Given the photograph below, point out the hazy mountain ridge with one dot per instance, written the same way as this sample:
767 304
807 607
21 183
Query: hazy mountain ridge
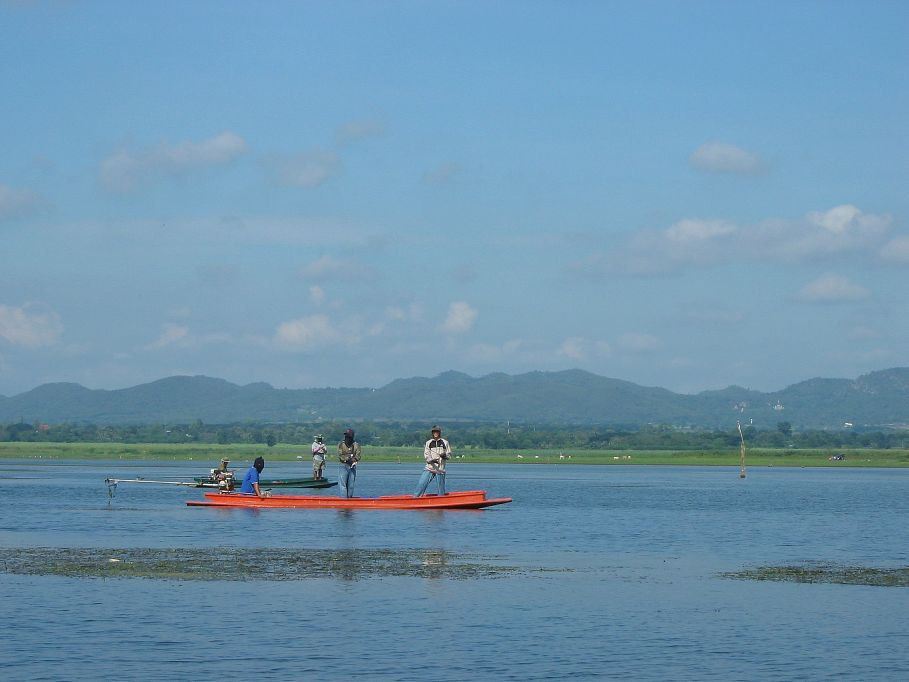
572 396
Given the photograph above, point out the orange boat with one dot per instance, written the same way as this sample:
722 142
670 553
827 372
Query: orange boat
468 499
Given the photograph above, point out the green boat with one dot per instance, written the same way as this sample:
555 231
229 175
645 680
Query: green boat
225 478
273 483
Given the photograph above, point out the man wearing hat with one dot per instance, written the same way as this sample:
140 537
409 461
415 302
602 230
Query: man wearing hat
318 457
349 454
436 452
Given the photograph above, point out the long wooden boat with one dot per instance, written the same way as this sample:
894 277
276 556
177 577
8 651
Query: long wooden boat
208 481
469 499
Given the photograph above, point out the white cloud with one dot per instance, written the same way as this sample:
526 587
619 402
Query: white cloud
395 313
328 267
694 243
846 227
171 334
719 157
896 250
579 348
573 348
179 335
687 243
16 202
843 229
635 342
698 230
831 288
460 318
127 169
307 169
602 348
358 130
321 268
307 333
838 219
317 294
28 326
182 312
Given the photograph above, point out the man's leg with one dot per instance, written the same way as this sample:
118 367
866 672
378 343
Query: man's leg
343 473
351 479
425 478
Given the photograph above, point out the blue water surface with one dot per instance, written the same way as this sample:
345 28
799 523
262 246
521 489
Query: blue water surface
629 586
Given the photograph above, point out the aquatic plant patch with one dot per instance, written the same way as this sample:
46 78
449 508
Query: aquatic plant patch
250 563
826 573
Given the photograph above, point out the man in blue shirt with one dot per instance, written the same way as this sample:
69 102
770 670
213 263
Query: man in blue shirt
251 480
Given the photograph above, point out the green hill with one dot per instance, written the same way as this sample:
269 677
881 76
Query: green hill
875 400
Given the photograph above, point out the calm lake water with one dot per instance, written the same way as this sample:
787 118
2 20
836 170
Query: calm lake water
630 588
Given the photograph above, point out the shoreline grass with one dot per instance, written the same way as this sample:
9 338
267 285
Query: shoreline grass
238 454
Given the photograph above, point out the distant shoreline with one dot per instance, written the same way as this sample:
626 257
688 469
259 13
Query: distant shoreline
239 455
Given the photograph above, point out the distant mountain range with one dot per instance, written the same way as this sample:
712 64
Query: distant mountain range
878 399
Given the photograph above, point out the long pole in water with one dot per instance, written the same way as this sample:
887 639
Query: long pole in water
742 437
115 481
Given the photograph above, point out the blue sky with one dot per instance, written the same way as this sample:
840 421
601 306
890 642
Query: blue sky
688 195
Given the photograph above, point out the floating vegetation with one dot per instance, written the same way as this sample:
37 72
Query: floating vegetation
826 573
218 563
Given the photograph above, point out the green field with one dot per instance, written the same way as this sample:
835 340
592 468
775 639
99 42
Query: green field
239 455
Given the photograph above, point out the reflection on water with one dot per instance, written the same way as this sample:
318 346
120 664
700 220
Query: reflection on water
599 572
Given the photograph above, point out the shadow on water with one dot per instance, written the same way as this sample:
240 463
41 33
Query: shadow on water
251 563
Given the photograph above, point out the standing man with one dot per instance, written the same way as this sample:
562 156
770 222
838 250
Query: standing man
436 452
251 480
349 454
318 457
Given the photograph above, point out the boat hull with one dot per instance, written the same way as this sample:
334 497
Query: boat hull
470 499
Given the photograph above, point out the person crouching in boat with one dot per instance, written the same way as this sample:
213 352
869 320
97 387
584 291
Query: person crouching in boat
251 480
436 452
349 454
318 457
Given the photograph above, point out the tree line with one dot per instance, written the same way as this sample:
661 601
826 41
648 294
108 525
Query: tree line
506 436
